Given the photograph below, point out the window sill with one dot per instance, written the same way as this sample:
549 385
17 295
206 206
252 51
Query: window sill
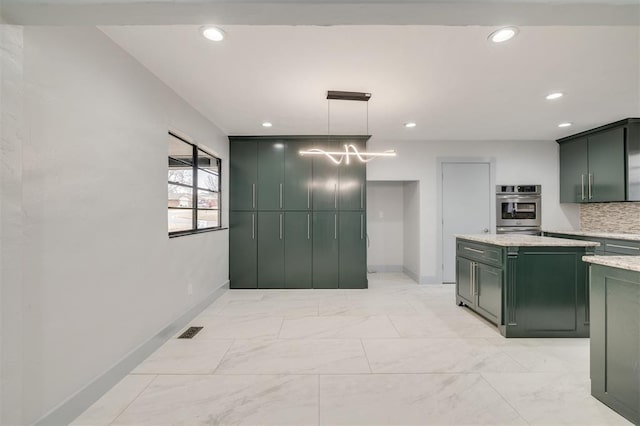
193 232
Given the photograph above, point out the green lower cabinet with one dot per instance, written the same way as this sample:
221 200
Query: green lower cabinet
353 250
526 291
325 250
243 251
270 250
464 284
297 250
489 291
615 339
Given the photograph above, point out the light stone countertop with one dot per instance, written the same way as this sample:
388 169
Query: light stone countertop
630 263
526 241
595 234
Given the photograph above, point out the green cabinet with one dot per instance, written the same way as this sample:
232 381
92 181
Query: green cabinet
326 177
326 248
271 250
478 284
243 163
297 250
243 253
607 166
298 176
352 186
607 247
528 291
615 339
271 175
353 250
488 284
597 165
303 218
573 171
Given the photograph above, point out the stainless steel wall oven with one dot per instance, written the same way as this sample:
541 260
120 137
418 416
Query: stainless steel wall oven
518 209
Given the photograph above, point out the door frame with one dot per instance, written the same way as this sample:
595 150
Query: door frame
492 183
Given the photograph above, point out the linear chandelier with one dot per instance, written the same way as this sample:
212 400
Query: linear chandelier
350 150
364 157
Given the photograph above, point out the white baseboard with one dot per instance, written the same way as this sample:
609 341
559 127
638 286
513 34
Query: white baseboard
384 268
75 405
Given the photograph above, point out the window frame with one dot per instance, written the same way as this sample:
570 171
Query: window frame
195 167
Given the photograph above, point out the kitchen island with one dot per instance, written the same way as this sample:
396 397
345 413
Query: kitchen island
615 332
528 286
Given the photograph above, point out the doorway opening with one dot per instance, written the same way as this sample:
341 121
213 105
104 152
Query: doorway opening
393 227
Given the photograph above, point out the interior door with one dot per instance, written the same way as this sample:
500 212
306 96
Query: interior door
467 199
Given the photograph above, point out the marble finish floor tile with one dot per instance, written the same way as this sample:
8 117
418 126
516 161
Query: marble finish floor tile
237 327
397 353
460 324
436 356
106 409
225 400
338 327
412 399
185 356
327 356
553 398
269 308
546 355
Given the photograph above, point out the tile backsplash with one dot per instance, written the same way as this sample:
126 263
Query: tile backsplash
610 217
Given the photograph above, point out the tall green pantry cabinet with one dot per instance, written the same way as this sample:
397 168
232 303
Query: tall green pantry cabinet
296 221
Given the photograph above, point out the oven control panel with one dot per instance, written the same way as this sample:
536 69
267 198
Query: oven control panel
518 189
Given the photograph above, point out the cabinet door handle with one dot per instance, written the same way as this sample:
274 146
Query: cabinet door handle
280 195
253 226
474 250
280 225
308 196
471 289
308 227
582 186
361 226
335 226
622 247
589 181
335 195
362 195
253 195
476 287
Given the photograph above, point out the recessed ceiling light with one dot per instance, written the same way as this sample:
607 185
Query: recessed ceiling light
554 95
267 124
567 124
503 34
410 124
212 33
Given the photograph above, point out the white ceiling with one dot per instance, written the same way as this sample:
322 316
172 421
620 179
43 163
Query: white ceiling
450 80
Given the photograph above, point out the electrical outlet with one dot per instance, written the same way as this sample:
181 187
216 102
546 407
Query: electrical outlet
189 289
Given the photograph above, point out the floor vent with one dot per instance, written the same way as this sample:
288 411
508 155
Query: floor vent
190 333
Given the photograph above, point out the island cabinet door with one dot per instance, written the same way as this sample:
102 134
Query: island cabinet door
464 280
489 291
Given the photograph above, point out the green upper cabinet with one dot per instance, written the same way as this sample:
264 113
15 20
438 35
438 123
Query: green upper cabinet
326 177
599 165
574 163
243 158
271 175
352 187
607 166
298 176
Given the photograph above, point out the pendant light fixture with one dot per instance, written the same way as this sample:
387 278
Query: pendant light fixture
350 150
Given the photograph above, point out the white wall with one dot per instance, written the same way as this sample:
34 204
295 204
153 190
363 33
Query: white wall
100 275
385 226
411 229
520 162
